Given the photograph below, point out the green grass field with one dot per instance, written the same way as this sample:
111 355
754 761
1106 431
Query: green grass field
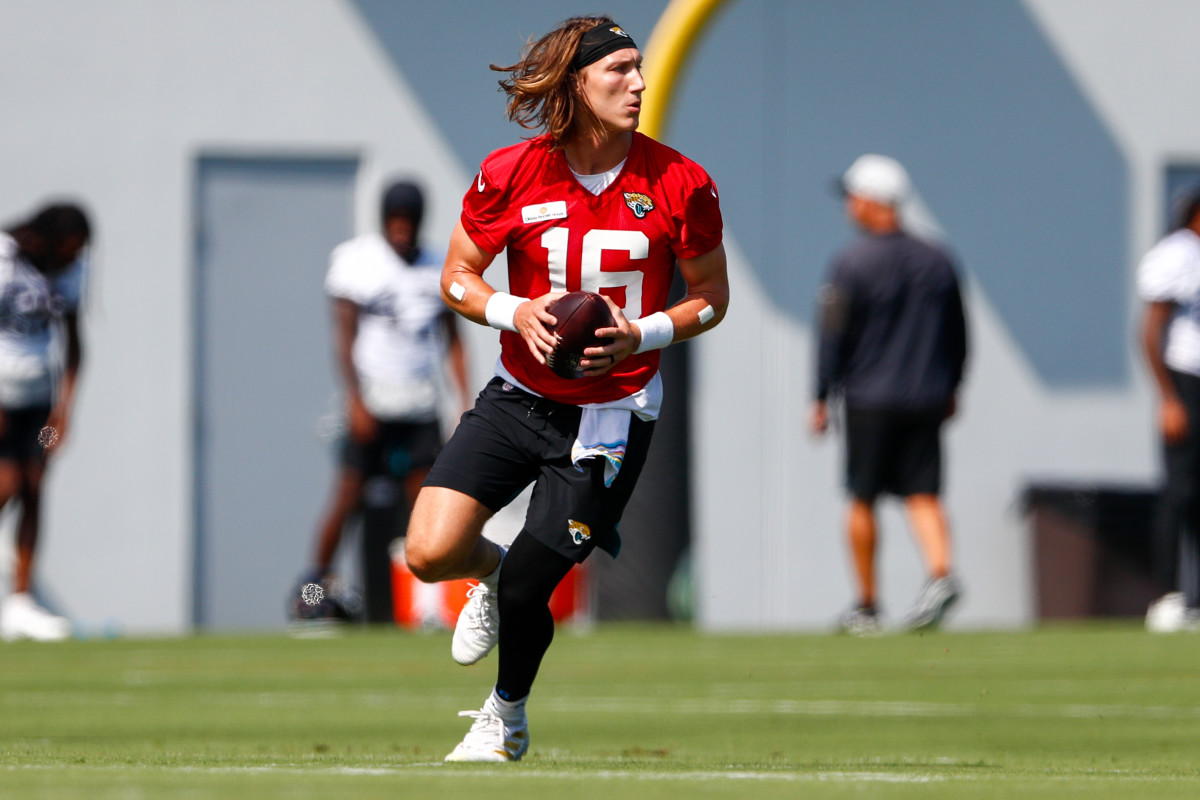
625 711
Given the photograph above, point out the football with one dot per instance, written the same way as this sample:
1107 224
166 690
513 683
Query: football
579 314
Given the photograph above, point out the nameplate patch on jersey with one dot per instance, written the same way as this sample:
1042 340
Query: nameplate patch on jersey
639 204
544 211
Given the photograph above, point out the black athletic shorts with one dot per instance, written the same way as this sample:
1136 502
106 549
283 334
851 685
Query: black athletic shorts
19 438
891 451
397 449
512 438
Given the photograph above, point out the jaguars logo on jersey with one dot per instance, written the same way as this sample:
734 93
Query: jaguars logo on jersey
639 204
580 532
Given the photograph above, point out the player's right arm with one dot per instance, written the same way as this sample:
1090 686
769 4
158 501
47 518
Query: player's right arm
466 292
60 415
1172 414
361 423
833 319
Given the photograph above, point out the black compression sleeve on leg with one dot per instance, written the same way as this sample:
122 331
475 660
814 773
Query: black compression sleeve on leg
529 576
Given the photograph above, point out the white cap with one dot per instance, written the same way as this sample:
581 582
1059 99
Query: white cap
878 178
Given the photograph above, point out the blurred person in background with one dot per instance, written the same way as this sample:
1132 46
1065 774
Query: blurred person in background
42 273
588 189
393 340
893 346
1168 281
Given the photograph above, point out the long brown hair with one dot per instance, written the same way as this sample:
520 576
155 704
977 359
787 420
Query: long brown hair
543 91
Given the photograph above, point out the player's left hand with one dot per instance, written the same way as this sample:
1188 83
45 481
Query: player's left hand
599 360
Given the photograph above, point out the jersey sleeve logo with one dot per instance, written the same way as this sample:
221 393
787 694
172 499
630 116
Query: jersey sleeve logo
479 182
639 204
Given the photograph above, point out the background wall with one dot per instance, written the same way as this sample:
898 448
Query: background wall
1037 132
117 104
1047 179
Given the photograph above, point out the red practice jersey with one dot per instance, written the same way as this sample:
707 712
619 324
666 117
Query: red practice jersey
622 243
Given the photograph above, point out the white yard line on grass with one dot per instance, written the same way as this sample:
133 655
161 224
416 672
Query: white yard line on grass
645 705
860 708
522 771
437 768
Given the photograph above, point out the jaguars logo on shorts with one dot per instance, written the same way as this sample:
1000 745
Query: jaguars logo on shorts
580 532
639 204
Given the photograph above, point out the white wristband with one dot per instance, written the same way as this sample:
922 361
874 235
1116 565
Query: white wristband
500 310
658 331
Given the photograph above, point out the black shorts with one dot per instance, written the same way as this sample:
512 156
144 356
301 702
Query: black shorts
397 449
512 438
894 452
22 427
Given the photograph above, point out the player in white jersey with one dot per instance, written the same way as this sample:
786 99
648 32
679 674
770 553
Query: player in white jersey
393 337
41 285
1169 285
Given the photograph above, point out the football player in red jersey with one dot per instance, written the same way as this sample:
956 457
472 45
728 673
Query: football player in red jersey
589 204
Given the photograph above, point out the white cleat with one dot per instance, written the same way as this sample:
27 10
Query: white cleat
22 618
478 627
1170 614
491 739
934 602
860 621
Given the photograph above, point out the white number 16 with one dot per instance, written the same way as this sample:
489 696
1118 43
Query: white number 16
591 278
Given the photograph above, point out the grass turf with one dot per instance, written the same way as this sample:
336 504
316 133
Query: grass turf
626 711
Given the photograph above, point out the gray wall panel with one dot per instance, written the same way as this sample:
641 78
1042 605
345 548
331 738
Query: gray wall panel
445 48
264 376
1024 177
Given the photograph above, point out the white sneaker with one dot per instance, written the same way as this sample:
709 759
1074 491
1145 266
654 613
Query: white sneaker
478 627
933 603
860 621
22 618
1170 614
491 739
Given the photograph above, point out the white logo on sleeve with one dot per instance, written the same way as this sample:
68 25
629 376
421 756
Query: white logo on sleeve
479 182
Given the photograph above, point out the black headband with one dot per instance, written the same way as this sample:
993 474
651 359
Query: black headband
605 38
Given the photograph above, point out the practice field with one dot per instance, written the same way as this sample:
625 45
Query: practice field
623 712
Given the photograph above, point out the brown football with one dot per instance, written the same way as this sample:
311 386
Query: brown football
579 314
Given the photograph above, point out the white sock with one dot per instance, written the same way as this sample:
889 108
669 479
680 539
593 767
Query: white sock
507 710
492 579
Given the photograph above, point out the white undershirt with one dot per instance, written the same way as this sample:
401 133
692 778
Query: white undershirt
599 182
